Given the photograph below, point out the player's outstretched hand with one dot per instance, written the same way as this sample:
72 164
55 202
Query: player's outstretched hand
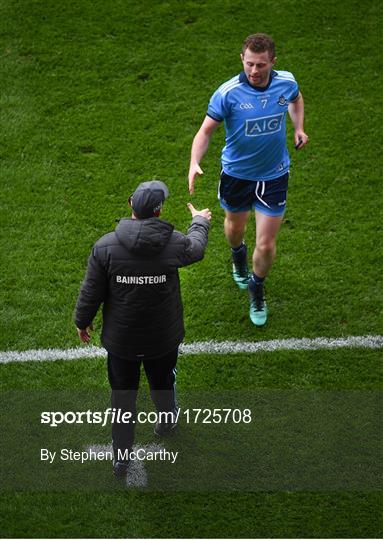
194 171
204 213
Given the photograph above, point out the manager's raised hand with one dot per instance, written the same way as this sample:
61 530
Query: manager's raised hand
204 213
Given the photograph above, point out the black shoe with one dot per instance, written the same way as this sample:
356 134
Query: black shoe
120 469
163 428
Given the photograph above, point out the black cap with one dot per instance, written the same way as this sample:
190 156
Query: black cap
148 198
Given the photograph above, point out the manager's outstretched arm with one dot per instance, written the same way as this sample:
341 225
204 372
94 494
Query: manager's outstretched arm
191 247
199 148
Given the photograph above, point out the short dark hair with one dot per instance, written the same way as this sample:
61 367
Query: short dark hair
259 43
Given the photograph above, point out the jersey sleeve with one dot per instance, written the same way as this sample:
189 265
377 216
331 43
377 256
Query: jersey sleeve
290 85
217 109
294 92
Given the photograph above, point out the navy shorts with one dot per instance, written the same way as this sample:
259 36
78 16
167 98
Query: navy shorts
268 197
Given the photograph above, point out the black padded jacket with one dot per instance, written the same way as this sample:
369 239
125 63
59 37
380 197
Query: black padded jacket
133 272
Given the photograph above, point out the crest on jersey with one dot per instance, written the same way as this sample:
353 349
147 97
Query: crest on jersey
282 100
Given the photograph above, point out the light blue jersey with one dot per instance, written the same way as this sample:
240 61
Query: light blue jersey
255 122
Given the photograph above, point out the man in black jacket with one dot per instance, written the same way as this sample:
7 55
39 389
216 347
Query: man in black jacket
133 272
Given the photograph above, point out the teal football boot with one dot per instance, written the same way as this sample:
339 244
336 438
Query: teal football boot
241 275
258 306
240 270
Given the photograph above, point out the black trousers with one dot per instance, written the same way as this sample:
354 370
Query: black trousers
124 379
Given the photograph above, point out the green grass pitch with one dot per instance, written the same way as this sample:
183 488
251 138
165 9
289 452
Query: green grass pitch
97 96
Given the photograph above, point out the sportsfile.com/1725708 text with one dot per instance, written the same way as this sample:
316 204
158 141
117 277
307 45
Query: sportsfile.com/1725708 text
113 415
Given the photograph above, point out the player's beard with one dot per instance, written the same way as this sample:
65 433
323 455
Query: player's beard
261 80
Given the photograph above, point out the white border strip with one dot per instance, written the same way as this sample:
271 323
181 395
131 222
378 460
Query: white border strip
204 347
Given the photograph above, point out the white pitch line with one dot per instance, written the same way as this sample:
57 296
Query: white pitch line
204 347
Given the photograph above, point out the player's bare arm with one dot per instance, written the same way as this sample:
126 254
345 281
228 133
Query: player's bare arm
297 114
199 148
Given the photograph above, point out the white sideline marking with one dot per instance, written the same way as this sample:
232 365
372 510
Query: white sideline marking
204 347
137 475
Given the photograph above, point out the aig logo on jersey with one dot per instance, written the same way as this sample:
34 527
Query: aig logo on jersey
267 125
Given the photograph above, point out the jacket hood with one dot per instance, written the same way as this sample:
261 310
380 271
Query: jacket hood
146 236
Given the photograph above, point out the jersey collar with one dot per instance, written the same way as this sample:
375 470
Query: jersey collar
244 79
